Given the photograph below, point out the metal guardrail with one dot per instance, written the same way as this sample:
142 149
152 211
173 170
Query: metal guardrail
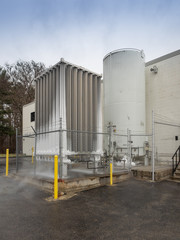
175 160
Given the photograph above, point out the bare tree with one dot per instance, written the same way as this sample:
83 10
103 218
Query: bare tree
22 75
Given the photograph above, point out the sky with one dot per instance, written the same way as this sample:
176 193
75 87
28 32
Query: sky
84 31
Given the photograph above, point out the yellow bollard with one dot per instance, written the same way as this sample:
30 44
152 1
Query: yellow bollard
111 180
55 177
32 155
7 161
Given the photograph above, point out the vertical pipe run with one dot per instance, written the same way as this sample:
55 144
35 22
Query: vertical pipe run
128 150
68 106
111 180
152 145
130 160
55 177
7 161
32 155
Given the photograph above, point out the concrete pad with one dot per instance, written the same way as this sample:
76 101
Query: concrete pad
72 185
145 172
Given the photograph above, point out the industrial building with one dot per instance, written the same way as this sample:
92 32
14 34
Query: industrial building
69 101
28 123
162 77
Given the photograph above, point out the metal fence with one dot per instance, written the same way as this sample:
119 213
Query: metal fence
25 146
167 140
88 153
82 153
72 163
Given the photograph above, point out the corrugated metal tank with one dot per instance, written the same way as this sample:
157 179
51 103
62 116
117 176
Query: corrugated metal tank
124 91
72 93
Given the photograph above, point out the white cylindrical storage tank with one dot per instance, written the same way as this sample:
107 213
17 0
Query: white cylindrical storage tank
124 93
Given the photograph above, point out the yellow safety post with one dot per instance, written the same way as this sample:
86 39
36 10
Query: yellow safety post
7 161
111 180
32 155
55 177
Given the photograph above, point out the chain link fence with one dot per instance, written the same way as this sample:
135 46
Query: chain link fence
80 153
89 153
167 139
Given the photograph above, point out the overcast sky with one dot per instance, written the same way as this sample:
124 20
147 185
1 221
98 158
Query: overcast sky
84 31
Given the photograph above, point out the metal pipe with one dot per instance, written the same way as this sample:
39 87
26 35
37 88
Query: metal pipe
65 130
141 135
92 167
130 151
168 124
121 135
35 154
152 145
30 136
32 155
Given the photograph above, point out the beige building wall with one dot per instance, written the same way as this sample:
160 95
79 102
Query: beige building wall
163 96
28 143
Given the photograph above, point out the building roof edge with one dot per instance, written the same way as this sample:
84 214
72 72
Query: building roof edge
164 57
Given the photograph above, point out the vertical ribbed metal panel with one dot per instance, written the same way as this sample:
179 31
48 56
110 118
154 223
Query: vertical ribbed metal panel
74 109
74 94
99 115
40 112
57 119
43 108
79 109
54 126
90 112
95 93
68 105
37 111
85 110
50 109
46 112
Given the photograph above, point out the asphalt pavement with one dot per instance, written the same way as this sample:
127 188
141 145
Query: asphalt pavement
131 209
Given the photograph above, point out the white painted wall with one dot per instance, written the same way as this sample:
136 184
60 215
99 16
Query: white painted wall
28 143
163 95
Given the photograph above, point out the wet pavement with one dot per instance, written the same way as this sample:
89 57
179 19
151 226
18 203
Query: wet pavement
128 210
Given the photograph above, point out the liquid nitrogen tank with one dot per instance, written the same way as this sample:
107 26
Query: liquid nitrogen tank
124 93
